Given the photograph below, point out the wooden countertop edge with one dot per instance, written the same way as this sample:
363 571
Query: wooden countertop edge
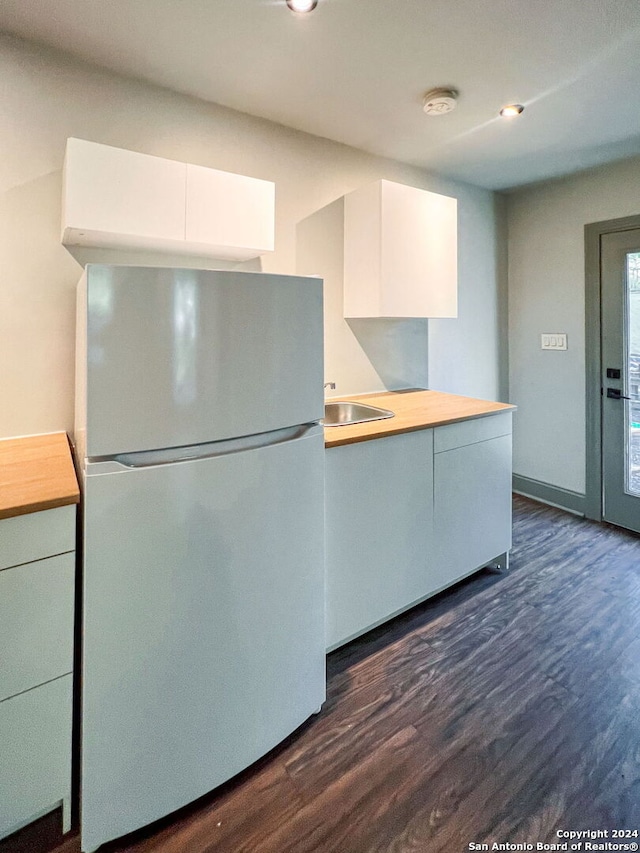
38 506
371 430
36 474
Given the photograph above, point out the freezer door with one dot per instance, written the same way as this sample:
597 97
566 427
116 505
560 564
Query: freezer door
203 625
177 357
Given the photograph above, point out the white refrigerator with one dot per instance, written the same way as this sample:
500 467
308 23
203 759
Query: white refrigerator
199 396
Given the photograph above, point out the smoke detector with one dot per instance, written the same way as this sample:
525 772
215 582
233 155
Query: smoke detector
438 102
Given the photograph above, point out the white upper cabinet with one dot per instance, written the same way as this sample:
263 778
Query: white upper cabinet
117 198
229 212
112 197
400 252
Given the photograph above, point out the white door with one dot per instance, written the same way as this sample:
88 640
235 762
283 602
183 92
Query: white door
203 624
620 307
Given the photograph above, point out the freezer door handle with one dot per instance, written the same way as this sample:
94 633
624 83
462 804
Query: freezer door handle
209 450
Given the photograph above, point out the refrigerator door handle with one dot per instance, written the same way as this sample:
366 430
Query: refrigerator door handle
209 450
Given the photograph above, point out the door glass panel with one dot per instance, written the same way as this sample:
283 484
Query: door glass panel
632 382
620 349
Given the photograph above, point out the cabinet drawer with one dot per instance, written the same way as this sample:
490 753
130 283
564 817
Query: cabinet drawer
36 623
39 534
471 431
35 741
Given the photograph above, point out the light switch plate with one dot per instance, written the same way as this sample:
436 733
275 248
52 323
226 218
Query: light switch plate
553 340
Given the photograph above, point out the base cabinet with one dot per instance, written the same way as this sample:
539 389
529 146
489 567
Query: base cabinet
411 514
472 496
379 517
37 573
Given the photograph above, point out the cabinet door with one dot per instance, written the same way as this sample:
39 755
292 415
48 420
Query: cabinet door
113 197
36 623
231 216
472 513
379 499
400 252
418 261
35 770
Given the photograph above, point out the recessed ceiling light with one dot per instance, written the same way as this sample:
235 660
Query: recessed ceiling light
511 110
302 5
439 102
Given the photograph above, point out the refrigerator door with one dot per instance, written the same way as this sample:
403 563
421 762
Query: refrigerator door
203 624
177 357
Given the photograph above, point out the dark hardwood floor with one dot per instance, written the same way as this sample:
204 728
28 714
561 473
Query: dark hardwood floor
500 711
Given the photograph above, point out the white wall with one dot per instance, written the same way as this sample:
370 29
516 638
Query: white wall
46 97
546 294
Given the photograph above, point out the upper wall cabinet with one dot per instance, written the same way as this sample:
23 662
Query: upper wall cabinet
400 252
112 197
243 223
116 198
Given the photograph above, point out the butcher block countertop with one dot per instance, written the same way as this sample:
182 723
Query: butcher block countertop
413 410
36 473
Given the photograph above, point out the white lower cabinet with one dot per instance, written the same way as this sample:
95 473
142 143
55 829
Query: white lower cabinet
379 517
35 771
37 569
472 496
409 515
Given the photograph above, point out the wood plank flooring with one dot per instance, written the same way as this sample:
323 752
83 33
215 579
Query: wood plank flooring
500 711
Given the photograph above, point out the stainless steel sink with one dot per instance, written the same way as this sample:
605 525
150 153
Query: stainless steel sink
341 414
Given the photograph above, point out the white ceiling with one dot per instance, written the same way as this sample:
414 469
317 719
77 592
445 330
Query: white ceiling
356 70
